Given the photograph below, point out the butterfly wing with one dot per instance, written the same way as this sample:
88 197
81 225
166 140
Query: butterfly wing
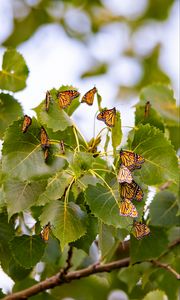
131 160
66 97
127 209
26 123
62 148
47 100
140 230
108 116
124 175
131 191
45 232
89 96
44 139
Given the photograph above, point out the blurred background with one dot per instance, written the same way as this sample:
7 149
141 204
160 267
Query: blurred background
118 46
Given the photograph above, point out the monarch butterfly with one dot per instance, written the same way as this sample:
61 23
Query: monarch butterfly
131 191
108 116
45 232
62 148
147 109
124 175
127 209
26 123
46 154
131 160
66 97
44 139
140 230
47 100
89 96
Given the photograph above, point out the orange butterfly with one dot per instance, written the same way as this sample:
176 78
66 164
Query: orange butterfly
89 96
46 154
47 100
26 123
124 175
66 97
108 116
45 232
140 230
62 148
131 191
131 160
127 209
44 139
147 109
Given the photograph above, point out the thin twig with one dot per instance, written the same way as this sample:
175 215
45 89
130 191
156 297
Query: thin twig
65 270
56 280
167 267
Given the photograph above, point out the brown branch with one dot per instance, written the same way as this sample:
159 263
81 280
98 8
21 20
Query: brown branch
166 267
56 280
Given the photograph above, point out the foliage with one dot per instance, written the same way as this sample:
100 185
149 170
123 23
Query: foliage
77 192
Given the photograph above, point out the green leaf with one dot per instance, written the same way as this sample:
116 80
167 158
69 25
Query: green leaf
155 295
95 70
163 210
149 247
10 110
6 234
154 118
116 132
68 219
162 99
22 154
55 187
27 250
86 240
14 71
16 271
21 195
82 161
106 240
132 274
155 11
103 203
160 158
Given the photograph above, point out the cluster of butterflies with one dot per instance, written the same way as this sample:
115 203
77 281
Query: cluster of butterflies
130 190
65 98
45 142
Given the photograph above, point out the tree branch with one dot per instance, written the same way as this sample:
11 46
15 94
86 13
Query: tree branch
167 267
56 280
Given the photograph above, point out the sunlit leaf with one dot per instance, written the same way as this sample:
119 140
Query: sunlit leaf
117 132
155 295
14 71
150 142
27 250
21 195
23 157
68 220
10 110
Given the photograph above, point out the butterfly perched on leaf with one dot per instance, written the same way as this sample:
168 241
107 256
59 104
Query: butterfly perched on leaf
124 175
108 116
47 100
44 139
131 191
127 209
140 230
131 160
26 123
45 232
147 109
65 97
89 96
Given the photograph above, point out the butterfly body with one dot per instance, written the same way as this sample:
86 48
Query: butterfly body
147 109
131 160
45 232
26 123
89 96
47 100
44 139
62 148
124 175
108 116
140 230
65 97
127 209
131 191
